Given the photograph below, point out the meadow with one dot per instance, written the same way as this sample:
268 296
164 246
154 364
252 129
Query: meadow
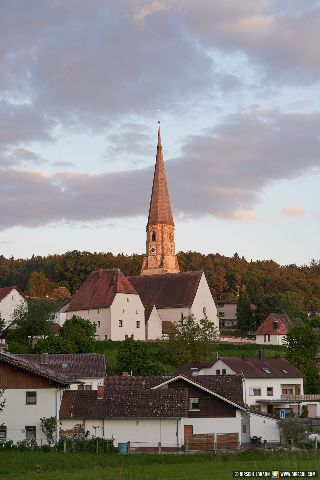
15 465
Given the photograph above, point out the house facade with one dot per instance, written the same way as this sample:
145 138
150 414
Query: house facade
227 313
31 392
10 300
273 329
177 295
110 302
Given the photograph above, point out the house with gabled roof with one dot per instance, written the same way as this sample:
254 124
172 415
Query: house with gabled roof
89 369
109 301
10 300
31 391
273 329
177 295
149 410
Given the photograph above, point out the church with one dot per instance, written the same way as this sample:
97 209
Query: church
146 307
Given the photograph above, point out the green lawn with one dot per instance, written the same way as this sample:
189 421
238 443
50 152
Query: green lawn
85 466
110 349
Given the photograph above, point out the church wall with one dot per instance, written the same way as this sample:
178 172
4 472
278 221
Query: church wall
128 309
173 314
203 303
154 326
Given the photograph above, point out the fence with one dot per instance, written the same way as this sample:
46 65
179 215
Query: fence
213 442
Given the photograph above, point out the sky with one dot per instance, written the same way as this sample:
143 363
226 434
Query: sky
237 86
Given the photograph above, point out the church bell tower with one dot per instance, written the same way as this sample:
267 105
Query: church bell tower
160 252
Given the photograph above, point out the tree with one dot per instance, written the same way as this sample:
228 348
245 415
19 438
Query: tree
302 346
293 430
49 427
246 322
31 322
76 336
39 285
132 356
192 340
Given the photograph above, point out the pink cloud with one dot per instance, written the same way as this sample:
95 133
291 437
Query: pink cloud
244 216
292 210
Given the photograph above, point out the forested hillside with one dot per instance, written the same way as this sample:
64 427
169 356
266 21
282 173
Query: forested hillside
270 286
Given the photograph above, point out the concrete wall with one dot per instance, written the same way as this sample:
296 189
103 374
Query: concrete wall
154 326
274 339
17 415
264 427
203 304
9 304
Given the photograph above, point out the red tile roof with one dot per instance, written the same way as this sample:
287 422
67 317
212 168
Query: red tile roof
124 403
256 368
99 290
4 291
275 324
169 290
75 365
40 370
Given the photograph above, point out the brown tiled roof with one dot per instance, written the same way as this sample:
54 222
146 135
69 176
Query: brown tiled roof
147 312
31 367
121 404
191 367
169 290
268 326
75 365
254 368
99 290
167 327
160 208
4 291
227 386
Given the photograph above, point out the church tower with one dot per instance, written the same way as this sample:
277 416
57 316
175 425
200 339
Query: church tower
160 254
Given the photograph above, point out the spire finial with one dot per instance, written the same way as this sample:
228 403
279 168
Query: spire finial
159 136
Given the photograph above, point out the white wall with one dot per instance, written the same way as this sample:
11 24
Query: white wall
264 427
129 309
154 326
203 303
17 415
99 316
218 365
142 432
274 339
9 304
94 382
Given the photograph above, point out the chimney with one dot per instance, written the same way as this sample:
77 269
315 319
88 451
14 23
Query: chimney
194 371
125 374
44 359
261 355
100 392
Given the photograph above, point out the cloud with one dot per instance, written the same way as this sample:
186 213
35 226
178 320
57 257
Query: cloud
221 172
131 139
63 164
292 210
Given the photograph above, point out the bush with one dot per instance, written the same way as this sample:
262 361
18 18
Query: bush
92 445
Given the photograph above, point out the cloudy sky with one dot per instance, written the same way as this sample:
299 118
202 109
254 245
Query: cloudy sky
237 83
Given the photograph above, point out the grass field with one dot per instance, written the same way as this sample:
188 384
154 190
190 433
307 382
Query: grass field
85 466
110 349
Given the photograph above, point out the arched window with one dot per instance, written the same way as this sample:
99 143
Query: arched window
153 236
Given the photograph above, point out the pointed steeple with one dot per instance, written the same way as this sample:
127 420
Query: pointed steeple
160 208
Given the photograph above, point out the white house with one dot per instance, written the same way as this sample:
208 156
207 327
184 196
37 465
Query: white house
84 371
273 329
10 300
174 411
177 295
270 385
108 300
31 392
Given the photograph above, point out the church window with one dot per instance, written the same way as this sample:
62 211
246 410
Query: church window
153 236
204 310
138 323
98 323
120 323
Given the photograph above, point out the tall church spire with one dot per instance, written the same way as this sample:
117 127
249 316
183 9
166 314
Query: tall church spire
160 208
160 252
